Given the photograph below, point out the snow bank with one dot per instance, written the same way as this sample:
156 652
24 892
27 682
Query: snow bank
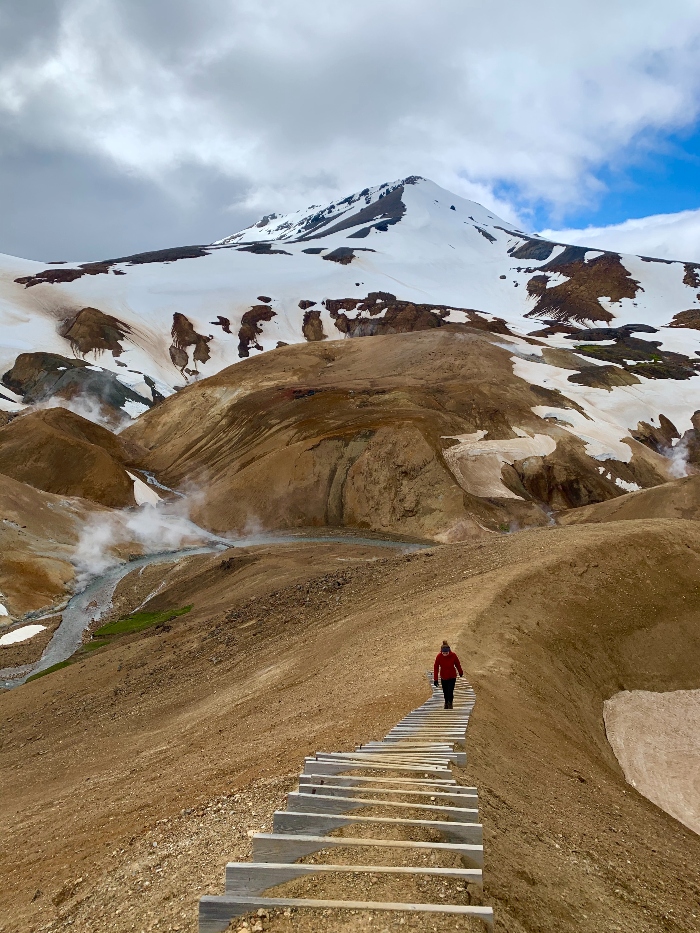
21 634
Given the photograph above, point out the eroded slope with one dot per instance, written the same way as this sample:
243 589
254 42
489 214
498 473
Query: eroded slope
430 434
167 726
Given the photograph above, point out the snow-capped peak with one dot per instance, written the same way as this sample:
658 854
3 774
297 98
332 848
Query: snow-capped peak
371 209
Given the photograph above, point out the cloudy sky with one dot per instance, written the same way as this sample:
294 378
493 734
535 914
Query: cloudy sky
135 124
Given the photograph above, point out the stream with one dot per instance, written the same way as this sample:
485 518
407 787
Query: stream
95 599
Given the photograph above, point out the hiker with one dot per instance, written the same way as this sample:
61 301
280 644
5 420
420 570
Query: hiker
447 663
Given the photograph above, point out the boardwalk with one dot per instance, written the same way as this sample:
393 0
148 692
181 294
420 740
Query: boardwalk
389 808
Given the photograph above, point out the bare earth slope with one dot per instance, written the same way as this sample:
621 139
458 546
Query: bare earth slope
200 725
676 499
60 452
428 434
38 535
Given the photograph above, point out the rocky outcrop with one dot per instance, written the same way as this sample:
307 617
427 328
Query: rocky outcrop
384 313
38 377
91 331
577 299
312 325
59 452
185 336
250 328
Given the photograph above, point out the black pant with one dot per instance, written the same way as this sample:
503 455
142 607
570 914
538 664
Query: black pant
448 688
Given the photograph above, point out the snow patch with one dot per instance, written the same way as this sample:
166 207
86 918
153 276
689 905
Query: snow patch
21 634
144 494
134 409
476 464
628 487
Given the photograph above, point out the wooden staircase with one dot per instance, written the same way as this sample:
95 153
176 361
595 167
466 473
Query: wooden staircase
379 797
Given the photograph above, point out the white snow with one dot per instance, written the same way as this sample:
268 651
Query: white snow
134 409
21 634
3 610
628 487
143 493
476 464
432 255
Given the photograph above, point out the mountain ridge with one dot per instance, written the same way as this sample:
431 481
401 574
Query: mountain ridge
604 346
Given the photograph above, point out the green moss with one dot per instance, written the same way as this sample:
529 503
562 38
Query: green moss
139 621
133 623
49 670
92 645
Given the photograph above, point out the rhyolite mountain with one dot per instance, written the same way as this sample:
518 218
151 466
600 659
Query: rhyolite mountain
507 377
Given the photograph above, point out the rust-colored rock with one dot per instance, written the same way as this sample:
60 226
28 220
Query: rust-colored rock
250 328
576 299
92 331
184 336
312 326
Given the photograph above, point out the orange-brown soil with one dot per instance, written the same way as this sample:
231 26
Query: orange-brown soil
38 535
353 432
676 499
131 777
60 452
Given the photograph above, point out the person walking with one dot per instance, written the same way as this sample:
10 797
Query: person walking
448 666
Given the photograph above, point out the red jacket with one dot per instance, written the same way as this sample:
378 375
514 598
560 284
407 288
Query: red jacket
448 665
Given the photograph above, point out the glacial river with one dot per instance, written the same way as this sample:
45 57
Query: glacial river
94 601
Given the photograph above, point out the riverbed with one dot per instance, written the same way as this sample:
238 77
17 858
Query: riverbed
94 601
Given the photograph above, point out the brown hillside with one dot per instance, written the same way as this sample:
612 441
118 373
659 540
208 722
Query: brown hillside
38 534
131 777
60 452
677 499
354 433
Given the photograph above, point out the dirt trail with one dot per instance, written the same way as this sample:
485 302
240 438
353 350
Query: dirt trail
130 777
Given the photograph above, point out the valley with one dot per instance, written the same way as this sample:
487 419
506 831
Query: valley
244 494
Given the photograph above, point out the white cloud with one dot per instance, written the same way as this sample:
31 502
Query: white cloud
298 102
668 236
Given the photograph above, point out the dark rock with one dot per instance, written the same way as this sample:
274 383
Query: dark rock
223 322
388 208
250 328
611 333
52 276
262 249
184 335
313 326
37 377
485 234
533 249
90 330
343 254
